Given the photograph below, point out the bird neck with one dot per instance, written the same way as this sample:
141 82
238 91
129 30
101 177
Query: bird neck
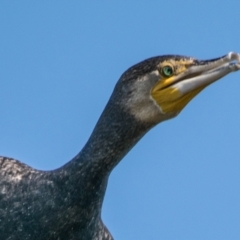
85 176
115 133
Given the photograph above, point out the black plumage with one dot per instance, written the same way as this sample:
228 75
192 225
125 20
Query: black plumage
66 203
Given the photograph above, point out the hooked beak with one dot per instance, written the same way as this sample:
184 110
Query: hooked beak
206 72
174 93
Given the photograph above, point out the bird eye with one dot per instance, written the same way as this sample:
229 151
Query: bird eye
167 71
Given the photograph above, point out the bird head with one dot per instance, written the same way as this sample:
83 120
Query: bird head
160 87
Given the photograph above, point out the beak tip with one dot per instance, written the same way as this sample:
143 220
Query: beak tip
232 56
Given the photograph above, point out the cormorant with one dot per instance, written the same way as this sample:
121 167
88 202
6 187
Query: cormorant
65 204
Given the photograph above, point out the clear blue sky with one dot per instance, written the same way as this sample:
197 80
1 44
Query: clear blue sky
59 61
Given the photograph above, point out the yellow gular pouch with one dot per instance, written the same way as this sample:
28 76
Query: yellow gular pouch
169 98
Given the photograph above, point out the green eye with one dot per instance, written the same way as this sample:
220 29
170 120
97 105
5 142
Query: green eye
167 71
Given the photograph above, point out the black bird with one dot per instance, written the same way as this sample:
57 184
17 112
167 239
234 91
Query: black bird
65 203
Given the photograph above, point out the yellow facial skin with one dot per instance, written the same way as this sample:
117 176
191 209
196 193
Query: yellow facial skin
168 97
180 79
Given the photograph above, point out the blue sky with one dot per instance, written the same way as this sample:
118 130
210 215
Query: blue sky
59 61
